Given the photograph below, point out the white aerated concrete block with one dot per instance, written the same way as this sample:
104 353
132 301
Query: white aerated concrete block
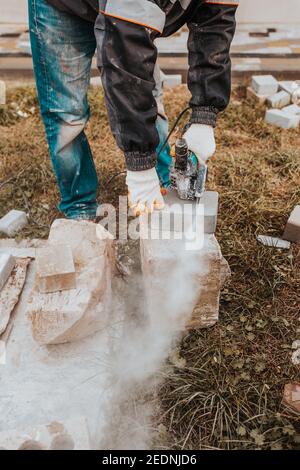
279 99
281 119
55 268
172 80
2 92
7 264
264 84
292 109
252 95
288 86
12 222
292 229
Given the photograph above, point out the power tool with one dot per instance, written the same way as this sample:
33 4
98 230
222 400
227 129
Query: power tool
188 175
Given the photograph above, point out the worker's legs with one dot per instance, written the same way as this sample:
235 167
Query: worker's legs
62 48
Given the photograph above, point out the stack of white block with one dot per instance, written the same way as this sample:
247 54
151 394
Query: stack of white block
278 96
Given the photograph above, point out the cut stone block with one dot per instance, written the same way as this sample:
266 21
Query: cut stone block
179 215
56 435
7 264
65 316
181 285
288 85
292 229
2 93
292 109
279 99
273 242
281 119
252 95
12 222
291 396
264 84
172 80
55 268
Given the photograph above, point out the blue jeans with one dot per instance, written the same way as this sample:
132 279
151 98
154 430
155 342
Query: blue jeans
63 46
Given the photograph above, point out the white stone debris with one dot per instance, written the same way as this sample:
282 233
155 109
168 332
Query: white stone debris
264 84
12 222
66 316
273 242
279 99
292 229
282 119
72 434
7 264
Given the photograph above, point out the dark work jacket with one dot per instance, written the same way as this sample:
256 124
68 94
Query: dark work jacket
125 31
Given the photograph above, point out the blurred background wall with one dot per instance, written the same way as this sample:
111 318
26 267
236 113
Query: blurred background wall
250 11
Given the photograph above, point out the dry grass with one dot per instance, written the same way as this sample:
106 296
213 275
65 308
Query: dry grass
228 395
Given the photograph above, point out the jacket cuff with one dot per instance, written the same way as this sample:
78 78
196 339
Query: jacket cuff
204 115
137 161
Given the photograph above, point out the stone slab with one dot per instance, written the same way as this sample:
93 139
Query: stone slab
11 292
70 315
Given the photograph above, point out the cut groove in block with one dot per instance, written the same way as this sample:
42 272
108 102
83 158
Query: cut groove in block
55 268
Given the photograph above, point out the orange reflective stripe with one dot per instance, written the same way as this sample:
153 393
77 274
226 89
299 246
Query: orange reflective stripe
215 2
130 21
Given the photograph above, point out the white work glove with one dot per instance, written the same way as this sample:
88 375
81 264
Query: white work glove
201 140
144 191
